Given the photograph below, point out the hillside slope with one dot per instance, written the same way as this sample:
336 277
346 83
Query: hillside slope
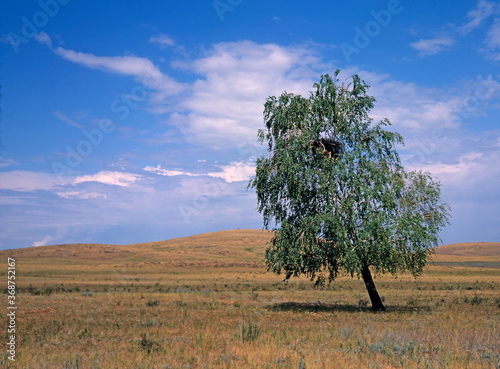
470 249
231 246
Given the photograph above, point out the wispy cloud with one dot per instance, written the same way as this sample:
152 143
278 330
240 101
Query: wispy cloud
110 178
26 181
162 40
475 17
493 41
234 172
168 173
67 120
45 241
432 46
44 38
4 163
83 195
142 69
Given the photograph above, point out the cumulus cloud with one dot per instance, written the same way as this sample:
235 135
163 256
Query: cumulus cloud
433 45
225 104
235 172
120 179
222 108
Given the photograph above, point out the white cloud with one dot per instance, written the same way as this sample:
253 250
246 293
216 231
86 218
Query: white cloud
45 241
168 173
44 38
142 69
473 175
433 45
81 195
493 41
236 171
225 104
110 178
162 40
476 16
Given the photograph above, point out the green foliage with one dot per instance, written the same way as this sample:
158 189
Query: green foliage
153 303
84 333
248 332
334 187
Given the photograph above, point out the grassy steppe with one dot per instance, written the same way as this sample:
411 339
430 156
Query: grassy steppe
207 302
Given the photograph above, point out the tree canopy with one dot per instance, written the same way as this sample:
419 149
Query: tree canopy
335 193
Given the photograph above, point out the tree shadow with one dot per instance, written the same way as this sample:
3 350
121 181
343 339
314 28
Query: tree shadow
330 308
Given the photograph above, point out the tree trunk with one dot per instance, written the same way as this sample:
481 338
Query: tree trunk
377 304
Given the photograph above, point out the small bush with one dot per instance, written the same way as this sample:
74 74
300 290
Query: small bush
476 300
84 333
302 364
148 344
363 303
150 323
248 332
153 303
412 302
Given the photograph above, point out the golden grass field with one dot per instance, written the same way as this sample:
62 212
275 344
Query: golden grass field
207 301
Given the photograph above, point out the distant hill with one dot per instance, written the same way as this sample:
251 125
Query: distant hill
225 248
470 249
241 245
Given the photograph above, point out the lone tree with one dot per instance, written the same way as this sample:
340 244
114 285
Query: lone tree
336 192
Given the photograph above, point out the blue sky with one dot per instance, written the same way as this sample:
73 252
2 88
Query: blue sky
127 122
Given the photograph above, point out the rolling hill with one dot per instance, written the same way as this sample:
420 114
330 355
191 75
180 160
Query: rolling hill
470 249
231 247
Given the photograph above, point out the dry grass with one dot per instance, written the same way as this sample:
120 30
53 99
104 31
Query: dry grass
184 304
